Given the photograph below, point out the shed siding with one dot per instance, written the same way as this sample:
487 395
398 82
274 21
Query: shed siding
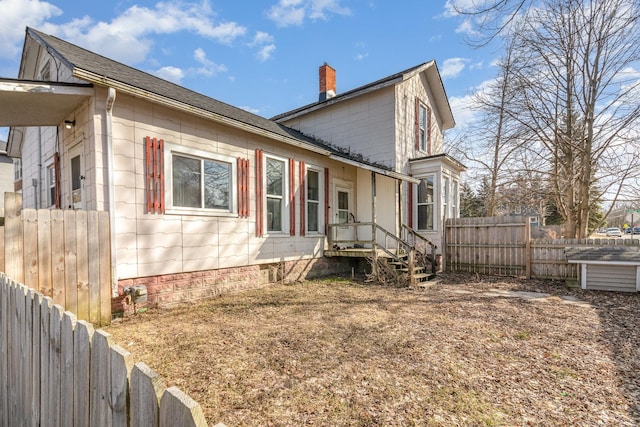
611 277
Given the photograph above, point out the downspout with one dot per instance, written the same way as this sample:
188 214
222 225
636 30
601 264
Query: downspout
111 98
38 189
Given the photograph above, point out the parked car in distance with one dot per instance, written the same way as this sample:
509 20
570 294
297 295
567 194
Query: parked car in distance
636 230
614 232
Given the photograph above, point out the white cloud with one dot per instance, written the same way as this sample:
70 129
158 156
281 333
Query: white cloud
265 52
15 16
463 114
128 37
293 12
452 67
261 38
264 42
250 109
173 74
361 56
209 68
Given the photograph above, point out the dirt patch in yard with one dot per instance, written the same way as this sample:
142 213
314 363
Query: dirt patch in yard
469 350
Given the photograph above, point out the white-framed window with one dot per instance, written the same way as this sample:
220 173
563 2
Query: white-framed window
445 197
424 204
276 174
314 196
51 185
17 169
423 127
199 182
454 200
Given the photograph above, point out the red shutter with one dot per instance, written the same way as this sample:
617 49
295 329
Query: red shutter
259 201
326 200
416 124
154 175
56 172
292 198
410 203
303 197
243 188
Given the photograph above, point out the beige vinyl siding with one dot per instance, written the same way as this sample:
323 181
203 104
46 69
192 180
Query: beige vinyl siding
153 244
364 125
406 94
611 277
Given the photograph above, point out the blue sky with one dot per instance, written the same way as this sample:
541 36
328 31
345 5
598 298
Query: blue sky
262 56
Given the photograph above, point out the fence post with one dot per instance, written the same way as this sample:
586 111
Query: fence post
4 344
13 236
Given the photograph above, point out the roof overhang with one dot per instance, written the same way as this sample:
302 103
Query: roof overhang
443 158
38 103
209 115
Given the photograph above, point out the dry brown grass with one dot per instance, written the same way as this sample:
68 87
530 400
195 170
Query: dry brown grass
334 352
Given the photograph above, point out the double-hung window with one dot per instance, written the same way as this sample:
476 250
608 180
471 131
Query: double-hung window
276 179
314 194
425 203
445 197
51 185
423 127
201 182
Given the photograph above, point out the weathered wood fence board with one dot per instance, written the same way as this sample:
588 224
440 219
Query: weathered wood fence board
492 245
502 246
65 255
57 370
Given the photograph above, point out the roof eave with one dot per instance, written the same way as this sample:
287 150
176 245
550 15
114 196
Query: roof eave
171 103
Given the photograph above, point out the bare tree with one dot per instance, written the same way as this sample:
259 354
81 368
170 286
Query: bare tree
580 99
575 91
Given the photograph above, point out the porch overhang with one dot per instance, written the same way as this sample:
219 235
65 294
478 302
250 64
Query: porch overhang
39 103
440 159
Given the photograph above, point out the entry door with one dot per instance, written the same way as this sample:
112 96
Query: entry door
343 213
76 177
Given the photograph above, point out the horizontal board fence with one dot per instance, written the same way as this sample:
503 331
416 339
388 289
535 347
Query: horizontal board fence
56 370
63 254
502 246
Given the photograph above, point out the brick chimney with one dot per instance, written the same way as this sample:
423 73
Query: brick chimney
327 82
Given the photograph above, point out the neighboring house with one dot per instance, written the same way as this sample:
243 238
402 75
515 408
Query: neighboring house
205 197
6 175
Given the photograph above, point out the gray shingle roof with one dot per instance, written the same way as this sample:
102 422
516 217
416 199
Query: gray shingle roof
77 57
381 82
604 253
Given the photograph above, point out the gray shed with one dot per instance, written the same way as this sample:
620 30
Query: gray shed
607 268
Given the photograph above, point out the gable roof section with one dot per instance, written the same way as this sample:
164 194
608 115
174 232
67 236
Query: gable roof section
99 70
433 77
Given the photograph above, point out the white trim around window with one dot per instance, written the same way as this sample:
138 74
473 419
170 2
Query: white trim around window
425 207
204 199
314 200
51 185
276 195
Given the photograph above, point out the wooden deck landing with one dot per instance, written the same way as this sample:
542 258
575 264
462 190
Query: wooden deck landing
355 253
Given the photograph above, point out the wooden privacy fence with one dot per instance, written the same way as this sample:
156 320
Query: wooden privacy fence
491 245
63 254
59 371
502 246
